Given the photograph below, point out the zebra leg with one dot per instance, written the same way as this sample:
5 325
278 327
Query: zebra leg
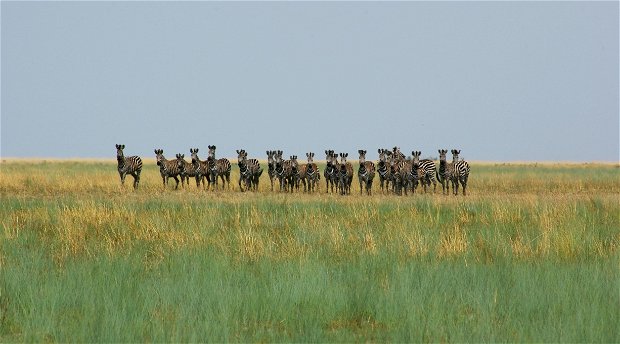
464 184
122 175
136 179
176 179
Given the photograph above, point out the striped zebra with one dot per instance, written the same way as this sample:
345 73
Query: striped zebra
169 168
427 170
218 168
310 173
331 170
345 174
291 172
189 171
409 176
271 164
460 172
444 173
128 165
397 162
366 172
249 171
383 169
279 170
201 167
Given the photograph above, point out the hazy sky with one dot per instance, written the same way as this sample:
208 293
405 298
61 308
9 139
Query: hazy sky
500 80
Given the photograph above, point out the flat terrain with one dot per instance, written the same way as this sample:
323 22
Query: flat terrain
531 254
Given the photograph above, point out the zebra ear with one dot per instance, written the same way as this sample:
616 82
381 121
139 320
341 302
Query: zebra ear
312 155
346 155
237 151
458 151
122 146
117 146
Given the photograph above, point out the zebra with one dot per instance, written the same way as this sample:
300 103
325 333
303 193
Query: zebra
311 173
291 172
345 175
128 165
201 167
218 168
408 176
366 172
190 170
396 164
249 170
383 169
427 170
271 164
460 172
279 169
331 170
169 168
444 174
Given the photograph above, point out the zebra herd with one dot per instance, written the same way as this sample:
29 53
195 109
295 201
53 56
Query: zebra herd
396 172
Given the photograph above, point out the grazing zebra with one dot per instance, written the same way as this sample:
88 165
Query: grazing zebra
169 168
218 168
271 164
249 170
383 169
427 170
201 167
345 175
331 170
128 165
460 172
444 174
311 173
366 172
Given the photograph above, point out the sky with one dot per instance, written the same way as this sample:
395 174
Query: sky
502 81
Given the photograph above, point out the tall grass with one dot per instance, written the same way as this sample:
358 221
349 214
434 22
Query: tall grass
530 255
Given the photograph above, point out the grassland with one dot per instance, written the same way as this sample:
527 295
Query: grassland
530 255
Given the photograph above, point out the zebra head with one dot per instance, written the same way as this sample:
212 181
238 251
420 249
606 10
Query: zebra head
362 156
382 155
119 151
159 156
180 162
343 158
294 163
194 152
212 152
242 156
442 154
271 161
455 154
416 157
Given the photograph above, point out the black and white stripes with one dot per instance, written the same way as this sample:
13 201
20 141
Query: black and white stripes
397 172
128 165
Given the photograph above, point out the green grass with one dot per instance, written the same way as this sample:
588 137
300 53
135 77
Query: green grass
530 256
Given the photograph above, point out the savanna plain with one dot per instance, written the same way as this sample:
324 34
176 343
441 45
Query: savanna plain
529 255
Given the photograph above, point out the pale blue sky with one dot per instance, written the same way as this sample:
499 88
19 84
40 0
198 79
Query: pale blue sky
501 81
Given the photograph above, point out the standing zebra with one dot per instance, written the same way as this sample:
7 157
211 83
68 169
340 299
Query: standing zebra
428 170
291 172
279 169
128 165
189 170
201 167
397 163
169 168
444 174
312 173
218 168
460 172
331 170
271 164
366 172
346 174
383 169
409 176
249 170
